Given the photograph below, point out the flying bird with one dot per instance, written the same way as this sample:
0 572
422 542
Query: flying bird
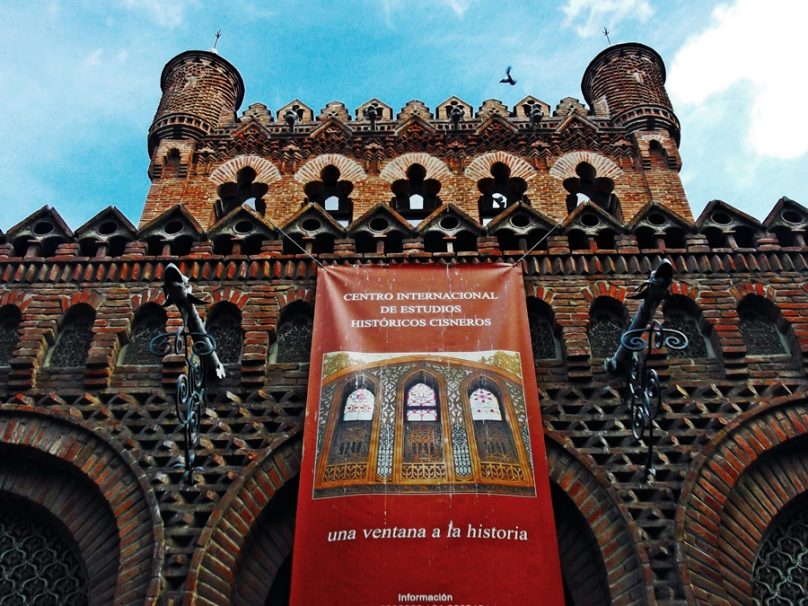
507 79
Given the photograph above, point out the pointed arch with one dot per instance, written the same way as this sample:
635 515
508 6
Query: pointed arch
715 557
620 550
218 547
397 169
107 469
265 171
564 167
349 169
480 167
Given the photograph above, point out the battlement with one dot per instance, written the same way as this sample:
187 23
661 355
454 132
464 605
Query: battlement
621 153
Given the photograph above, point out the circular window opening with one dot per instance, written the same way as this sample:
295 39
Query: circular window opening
43 227
721 218
107 227
656 219
449 222
311 224
173 227
590 220
520 220
791 216
244 227
379 224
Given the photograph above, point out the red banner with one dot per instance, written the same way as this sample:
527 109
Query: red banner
424 476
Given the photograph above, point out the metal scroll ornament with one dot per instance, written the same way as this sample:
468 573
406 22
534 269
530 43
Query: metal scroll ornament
643 395
190 397
199 350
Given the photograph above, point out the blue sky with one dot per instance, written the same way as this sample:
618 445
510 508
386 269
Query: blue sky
81 79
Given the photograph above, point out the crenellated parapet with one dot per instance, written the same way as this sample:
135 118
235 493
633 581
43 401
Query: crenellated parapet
629 124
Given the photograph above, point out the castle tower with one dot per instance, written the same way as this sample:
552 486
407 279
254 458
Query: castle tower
626 83
198 87
201 91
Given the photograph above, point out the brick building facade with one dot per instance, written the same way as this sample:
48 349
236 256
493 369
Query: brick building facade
92 497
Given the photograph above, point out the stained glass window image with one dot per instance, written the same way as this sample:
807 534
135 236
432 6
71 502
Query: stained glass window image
422 423
484 405
359 405
421 403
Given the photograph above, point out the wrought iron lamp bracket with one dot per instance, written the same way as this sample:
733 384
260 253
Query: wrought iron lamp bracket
198 348
190 399
643 395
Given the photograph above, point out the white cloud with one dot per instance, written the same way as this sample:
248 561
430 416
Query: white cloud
459 6
165 14
750 58
591 16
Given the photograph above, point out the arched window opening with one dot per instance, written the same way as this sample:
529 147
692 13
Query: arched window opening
786 236
150 321
172 159
223 245
534 237
435 242
675 239
607 320
416 196
715 237
762 327
232 195
40 562
10 318
465 241
779 574
359 405
683 315
365 243
393 242
352 436
745 237
599 190
605 239
508 240
323 243
294 333
181 246
224 325
73 343
648 239
484 405
155 247
422 440
296 244
252 245
491 429
578 240
332 194
658 155
499 191
175 247
89 247
422 402
545 334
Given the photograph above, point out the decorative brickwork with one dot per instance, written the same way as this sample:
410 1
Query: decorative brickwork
588 200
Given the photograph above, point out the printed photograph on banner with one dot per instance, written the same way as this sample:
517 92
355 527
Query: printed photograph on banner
422 423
